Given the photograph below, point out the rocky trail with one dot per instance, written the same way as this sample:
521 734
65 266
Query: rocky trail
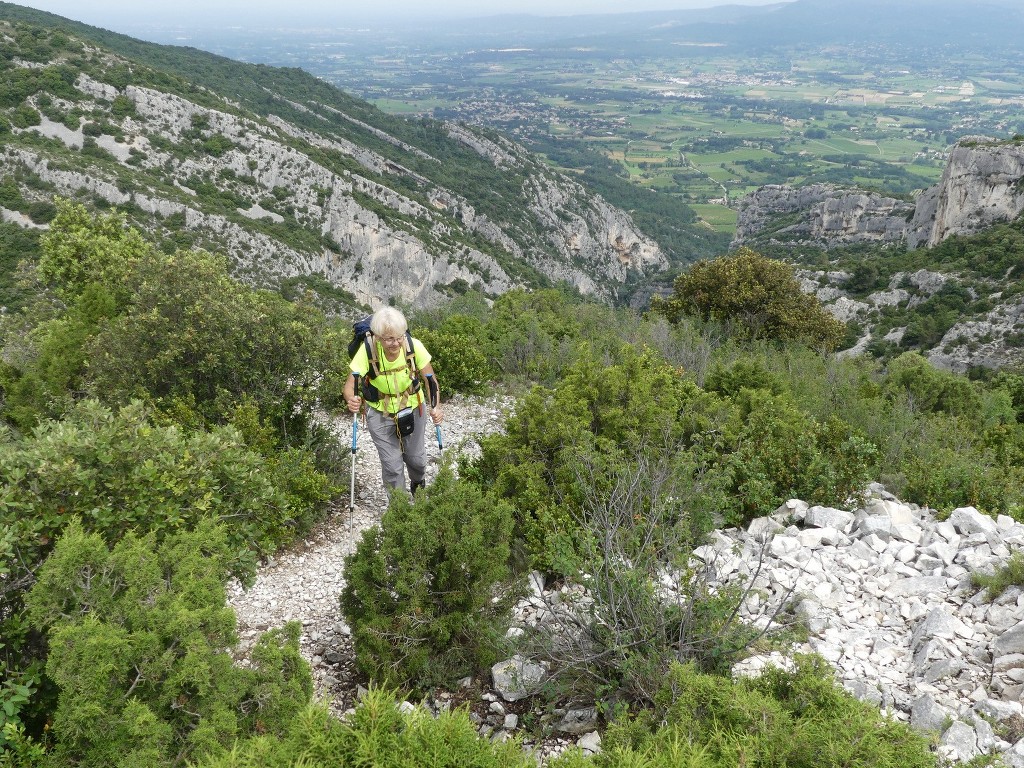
303 583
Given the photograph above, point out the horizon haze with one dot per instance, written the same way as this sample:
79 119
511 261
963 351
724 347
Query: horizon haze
114 14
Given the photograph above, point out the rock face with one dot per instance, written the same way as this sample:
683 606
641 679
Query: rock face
327 194
981 186
827 214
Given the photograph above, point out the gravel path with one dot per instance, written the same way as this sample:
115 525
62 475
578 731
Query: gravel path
303 583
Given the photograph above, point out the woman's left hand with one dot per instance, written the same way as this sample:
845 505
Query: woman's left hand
436 414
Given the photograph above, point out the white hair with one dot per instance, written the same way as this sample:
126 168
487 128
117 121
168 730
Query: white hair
388 321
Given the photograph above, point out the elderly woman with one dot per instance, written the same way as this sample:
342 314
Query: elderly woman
391 372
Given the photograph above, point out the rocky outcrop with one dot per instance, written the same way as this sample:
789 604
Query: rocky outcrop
824 214
992 341
983 184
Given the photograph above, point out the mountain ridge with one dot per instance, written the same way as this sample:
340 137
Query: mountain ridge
294 179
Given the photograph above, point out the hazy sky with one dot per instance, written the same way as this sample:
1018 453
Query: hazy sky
108 12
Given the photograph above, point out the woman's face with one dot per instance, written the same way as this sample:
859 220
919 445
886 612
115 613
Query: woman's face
392 343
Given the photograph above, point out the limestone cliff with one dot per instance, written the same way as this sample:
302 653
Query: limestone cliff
823 214
982 185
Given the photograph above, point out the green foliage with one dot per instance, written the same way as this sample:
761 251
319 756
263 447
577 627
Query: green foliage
594 409
139 638
782 453
1005 576
48 377
172 329
377 734
16 245
122 107
25 116
81 249
458 359
526 331
428 594
929 390
761 297
16 691
119 472
192 338
801 719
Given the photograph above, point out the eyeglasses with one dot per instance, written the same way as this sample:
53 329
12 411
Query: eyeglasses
391 340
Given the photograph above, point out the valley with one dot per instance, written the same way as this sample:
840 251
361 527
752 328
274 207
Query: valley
705 122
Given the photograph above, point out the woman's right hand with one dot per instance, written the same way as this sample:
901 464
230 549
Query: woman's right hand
354 403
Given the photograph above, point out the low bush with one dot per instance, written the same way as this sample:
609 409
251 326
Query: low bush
799 719
458 359
428 593
1005 576
376 734
119 473
140 640
782 453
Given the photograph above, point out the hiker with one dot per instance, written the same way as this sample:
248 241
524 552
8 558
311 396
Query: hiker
397 383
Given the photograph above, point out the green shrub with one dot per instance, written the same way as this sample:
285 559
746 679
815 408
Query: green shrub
140 638
80 249
119 473
526 331
174 330
122 107
944 477
458 360
427 592
760 297
594 409
193 338
930 390
26 116
1005 576
377 734
782 453
799 719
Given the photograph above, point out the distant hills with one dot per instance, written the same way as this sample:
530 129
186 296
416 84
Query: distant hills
932 23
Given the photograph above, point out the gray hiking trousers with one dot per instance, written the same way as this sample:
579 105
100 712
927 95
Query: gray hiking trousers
395 452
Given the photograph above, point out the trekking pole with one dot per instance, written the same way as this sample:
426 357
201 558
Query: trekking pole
357 389
352 492
440 445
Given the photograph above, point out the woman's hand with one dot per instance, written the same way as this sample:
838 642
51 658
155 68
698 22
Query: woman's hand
354 403
436 414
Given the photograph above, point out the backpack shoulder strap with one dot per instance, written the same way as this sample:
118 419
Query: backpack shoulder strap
410 356
371 354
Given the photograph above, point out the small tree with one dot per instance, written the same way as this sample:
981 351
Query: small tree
428 593
761 297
